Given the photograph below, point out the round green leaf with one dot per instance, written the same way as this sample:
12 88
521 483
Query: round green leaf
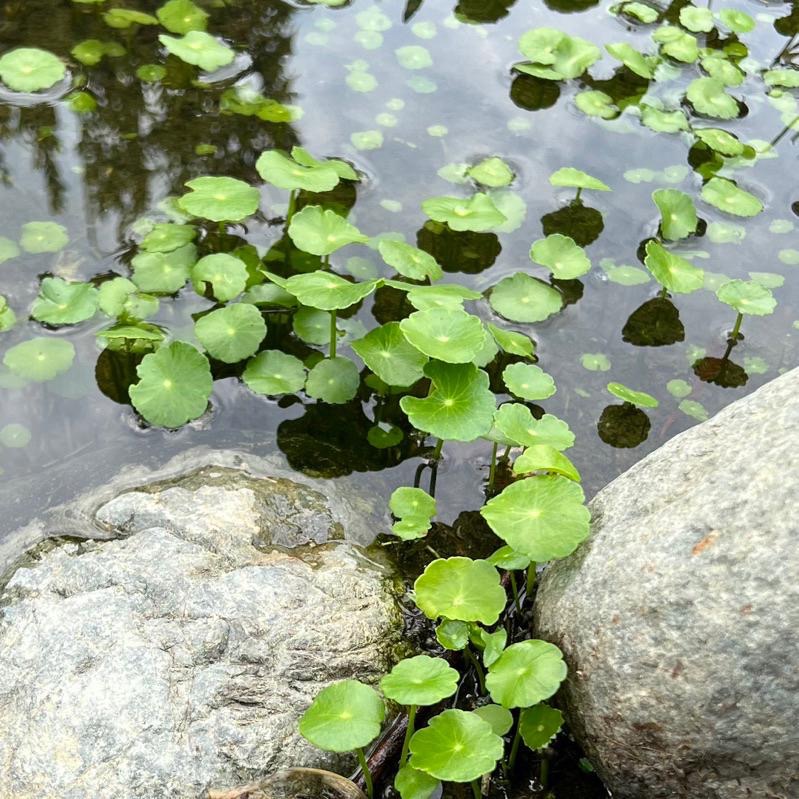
441 295
638 398
274 372
8 249
521 298
545 458
595 362
785 78
747 297
321 232
220 199
478 213
517 424
541 517
448 334
561 255
737 21
500 718
452 635
528 382
718 67
720 141
174 385
556 55
663 120
279 169
409 261
232 333
123 18
461 589
420 680
226 274
708 97
678 388
182 16
526 673
492 172
596 104
640 11
387 353
64 303
414 508
677 213
413 784
341 168
460 406
576 179
40 359
333 380
538 725
726 196
512 342
39 237
199 49
456 746
344 716
676 43
328 291
7 316
29 69
631 59
671 271
163 273
509 559
167 237
696 20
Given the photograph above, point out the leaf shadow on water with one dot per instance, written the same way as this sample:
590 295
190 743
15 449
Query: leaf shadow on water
467 252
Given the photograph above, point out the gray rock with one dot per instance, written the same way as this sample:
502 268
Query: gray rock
173 646
678 617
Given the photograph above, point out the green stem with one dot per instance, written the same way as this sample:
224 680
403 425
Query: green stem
543 772
408 734
326 262
437 450
515 590
664 292
579 194
736 331
506 453
222 228
333 334
292 206
514 748
530 579
492 471
481 679
477 790
367 775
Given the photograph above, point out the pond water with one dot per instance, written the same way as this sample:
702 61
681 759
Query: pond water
410 94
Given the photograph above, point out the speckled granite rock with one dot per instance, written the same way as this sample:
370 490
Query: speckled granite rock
679 616
177 654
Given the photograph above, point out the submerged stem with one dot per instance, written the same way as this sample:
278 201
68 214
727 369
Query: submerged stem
408 734
367 775
333 334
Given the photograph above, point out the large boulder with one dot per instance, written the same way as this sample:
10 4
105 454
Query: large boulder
171 647
679 615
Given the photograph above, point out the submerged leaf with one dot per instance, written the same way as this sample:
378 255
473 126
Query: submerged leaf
40 237
41 358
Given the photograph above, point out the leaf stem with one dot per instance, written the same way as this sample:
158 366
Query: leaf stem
437 450
408 734
481 679
530 579
333 334
492 471
292 205
736 331
514 747
543 772
477 790
367 775
579 194
515 589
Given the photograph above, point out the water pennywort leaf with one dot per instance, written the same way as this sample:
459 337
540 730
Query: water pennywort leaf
274 372
333 380
577 179
321 231
526 673
226 274
528 382
677 213
638 398
747 297
40 237
29 69
449 334
727 196
414 508
220 199
538 725
561 255
40 359
477 214
521 298
328 291
414 784
281 170
671 271
545 458
232 333
420 680
492 172
182 16
387 353
409 261
199 49
61 302
515 421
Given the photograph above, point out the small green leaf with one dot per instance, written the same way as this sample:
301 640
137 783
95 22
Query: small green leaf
516 422
541 517
409 261
492 644
545 458
492 172
39 237
512 342
167 237
441 295
328 291
123 18
478 213
708 97
452 635
29 69
528 382
40 359
747 297
182 16
344 716
785 78
556 55
721 141
671 271
676 43
220 199
420 680
678 388
321 231
174 385
726 196
640 11
456 746
638 398
561 255
596 104
526 673
737 21
663 120
595 362
696 20
413 784
500 718
414 56
232 333
199 49
461 589
274 372
448 334
7 316
538 725
64 303
226 274
677 213
631 58
521 298
333 380
8 249
509 559
415 508
387 353
163 273
15 436
283 171
576 179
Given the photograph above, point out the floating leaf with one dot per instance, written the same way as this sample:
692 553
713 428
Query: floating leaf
448 334
708 97
8 249
671 271
695 410
541 517
220 199
321 232
442 295
747 297
638 398
226 274
783 77
528 381
274 372
696 20
456 746
344 716
163 273
526 673
728 197
409 261
545 458
576 179
521 298
596 104
477 214
182 16
283 171
516 422
387 353
631 59
39 237
199 49
125 17
328 291
333 380
40 359
493 172
61 302
737 21
640 11
561 255
420 680
676 43
232 333
512 342
720 141
677 213
414 784
29 69
556 55
91 51
460 406
7 316
174 385
663 121
723 70
167 236
414 508
538 725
